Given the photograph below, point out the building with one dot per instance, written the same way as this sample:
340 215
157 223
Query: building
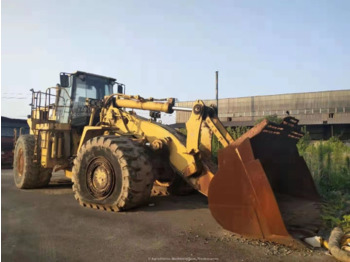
323 114
8 125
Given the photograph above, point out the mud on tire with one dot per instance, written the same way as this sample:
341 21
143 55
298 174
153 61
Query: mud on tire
112 173
28 174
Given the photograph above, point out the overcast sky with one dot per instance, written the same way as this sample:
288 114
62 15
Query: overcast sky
173 48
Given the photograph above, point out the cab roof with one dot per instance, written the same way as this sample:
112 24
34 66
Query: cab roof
85 73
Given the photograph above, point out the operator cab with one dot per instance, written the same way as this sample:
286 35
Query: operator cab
77 87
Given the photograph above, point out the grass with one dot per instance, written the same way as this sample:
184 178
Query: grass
329 164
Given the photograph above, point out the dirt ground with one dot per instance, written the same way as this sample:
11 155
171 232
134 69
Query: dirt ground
49 225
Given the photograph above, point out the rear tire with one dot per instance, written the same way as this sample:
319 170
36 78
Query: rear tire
112 173
28 174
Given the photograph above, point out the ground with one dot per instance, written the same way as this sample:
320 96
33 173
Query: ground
49 225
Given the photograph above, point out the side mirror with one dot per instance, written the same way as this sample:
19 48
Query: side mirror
64 79
120 89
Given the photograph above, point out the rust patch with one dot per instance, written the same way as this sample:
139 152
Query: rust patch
263 188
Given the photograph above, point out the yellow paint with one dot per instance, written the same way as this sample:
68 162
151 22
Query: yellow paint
193 127
85 136
100 177
68 173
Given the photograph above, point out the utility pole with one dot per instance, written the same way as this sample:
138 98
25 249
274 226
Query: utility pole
217 90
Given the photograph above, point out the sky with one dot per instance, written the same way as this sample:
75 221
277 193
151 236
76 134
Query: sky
160 48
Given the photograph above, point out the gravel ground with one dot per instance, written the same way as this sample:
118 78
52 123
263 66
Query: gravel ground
49 225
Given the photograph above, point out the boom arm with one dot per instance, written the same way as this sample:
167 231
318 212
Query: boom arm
187 157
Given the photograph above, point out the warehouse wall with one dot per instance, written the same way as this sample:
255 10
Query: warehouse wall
332 107
323 114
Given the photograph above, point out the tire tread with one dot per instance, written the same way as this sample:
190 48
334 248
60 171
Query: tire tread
136 170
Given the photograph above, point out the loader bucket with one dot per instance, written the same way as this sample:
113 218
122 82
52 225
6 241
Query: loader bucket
263 188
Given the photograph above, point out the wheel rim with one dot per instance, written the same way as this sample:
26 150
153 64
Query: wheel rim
20 162
100 178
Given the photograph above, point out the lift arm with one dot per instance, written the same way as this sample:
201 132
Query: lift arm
185 156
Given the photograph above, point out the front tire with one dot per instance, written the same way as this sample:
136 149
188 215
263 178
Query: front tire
27 174
112 173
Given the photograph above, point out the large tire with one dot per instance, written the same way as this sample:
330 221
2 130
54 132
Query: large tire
112 173
28 174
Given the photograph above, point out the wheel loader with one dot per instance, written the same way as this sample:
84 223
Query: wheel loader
260 188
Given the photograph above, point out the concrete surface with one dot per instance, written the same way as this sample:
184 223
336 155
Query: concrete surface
49 225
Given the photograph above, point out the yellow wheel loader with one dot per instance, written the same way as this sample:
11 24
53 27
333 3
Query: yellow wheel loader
260 188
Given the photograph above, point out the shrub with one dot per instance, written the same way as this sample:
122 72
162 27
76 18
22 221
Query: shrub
329 164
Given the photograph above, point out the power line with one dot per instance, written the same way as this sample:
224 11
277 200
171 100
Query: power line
12 93
13 97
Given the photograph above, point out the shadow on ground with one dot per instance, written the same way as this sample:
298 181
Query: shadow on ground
60 184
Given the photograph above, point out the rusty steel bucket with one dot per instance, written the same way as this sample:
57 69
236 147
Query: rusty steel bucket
263 188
